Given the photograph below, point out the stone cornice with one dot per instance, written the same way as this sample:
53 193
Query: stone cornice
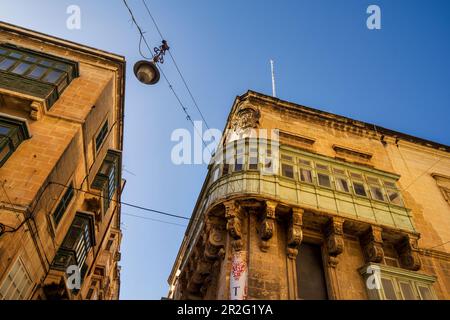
336 121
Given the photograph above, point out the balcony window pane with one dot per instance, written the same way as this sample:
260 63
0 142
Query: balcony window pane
342 185
6 64
305 162
425 293
359 189
53 76
238 166
324 180
15 54
394 197
377 193
226 169
37 72
46 63
407 291
287 170
31 59
388 288
306 175
322 167
21 68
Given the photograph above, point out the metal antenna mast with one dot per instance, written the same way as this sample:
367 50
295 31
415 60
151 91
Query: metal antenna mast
274 93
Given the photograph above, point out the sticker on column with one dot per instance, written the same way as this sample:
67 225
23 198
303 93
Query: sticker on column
238 279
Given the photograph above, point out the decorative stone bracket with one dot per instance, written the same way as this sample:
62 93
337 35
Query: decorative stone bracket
372 244
232 212
267 225
408 252
334 233
295 233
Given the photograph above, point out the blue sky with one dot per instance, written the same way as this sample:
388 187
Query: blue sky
397 77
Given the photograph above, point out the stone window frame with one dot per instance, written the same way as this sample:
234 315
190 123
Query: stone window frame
443 183
16 131
374 273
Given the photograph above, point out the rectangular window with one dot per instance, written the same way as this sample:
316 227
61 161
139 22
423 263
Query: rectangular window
107 178
63 204
425 293
322 167
407 291
324 180
342 184
359 189
12 133
101 136
225 169
389 290
304 162
239 164
339 171
377 193
287 170
17 284
286 157
306 175
394 197
253 157
310 273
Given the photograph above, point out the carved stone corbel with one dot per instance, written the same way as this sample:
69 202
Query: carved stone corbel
36 110
234 224
334 233
408 252
214 241
295 233
267 225
372 244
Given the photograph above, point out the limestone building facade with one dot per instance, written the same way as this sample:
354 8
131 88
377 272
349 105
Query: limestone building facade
304 204
61 140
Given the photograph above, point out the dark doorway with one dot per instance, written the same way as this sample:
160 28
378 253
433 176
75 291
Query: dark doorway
310 273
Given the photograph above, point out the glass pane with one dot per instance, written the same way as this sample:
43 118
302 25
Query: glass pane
425 293
31 59
15 55
355 175
4 130
377 193
394 197
37 72
339 171
46 63
53 76
21 68
407 291
390 184
286 157
287 170
322 166
306 175
63 67
359 189
225 169
253 163
389 290
372 180
342 185
305 162
2 51
6 64
324 180
238 166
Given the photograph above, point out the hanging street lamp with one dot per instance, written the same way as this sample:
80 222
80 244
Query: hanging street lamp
147 72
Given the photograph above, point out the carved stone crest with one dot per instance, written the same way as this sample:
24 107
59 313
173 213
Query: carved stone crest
246 117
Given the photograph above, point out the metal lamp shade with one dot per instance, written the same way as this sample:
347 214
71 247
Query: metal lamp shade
147 72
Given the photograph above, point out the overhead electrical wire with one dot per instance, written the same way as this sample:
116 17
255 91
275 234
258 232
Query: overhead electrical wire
176 65
185 110
155 220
